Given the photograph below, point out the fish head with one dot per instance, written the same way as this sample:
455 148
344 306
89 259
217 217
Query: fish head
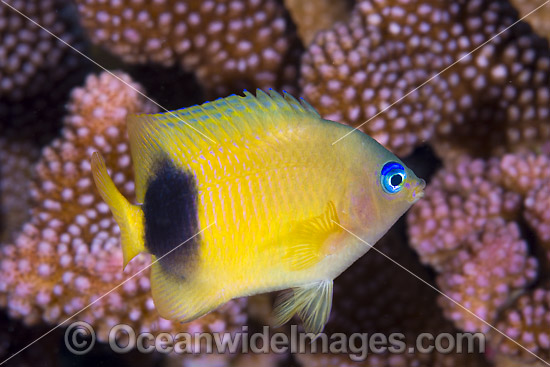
383 189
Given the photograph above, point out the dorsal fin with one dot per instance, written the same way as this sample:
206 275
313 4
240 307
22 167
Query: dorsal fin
212 124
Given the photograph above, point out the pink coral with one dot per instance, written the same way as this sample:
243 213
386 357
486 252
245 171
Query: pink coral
230 45
499 95
528 322
474 226
31 55
492 263
523 172
37 71
68 254
537 212
463 229
458 202
529 175
376 296
16 159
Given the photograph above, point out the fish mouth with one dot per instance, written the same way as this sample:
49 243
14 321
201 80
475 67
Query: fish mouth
417 191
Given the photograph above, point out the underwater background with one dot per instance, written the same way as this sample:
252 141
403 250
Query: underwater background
460 89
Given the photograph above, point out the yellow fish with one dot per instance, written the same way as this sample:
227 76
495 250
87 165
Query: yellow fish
258 206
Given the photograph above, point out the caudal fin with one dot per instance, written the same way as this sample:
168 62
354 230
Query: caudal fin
128 216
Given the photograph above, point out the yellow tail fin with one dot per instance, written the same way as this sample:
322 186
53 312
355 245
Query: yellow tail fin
128 216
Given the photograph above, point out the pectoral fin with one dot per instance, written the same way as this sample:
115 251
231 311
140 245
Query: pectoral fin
312 302
303 247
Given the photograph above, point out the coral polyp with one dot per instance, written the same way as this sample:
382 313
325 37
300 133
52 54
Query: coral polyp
67 255
230 45
457 89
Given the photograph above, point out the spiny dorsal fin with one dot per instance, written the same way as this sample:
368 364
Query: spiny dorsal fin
187 132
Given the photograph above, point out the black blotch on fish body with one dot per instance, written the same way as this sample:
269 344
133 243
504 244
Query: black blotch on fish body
171 217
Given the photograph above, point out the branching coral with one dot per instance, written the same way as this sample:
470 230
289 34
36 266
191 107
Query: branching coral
537 212
540 19
463 228
377 296
528 322
478 225
313 16
16 159
458 202
483 276
36 70
68 254
499 95
231 45
484 225
529 175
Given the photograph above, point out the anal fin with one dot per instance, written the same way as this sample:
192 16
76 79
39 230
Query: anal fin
180 298
311 302
305 240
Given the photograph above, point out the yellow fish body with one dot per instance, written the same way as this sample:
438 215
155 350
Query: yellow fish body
256 204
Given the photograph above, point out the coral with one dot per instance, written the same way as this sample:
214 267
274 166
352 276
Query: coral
484 226
313 16
499 95
492 264
230 45
537 213
377 296
527 322
523 172
37 71
467 229
68 254
16 159
458 202
529 174
539 20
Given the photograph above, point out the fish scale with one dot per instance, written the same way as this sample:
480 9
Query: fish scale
264 199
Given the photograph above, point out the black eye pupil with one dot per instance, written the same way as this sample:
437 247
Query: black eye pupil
396 180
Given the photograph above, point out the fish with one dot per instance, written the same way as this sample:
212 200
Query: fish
248 194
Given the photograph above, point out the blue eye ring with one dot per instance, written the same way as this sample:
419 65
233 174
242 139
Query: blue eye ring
392 177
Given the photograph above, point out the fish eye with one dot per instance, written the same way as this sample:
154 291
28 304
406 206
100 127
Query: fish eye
392 177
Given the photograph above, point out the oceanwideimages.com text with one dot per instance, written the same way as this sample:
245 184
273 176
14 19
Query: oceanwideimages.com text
80 339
